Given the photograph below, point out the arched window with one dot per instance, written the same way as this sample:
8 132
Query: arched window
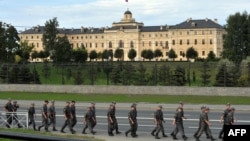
110 44
121 45
131 44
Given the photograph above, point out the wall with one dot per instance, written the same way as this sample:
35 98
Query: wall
97 89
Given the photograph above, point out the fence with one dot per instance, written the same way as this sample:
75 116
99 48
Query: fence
13 119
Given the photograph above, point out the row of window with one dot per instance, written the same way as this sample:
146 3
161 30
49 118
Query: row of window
86 37
203 42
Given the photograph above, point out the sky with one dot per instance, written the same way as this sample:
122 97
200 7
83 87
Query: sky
101 13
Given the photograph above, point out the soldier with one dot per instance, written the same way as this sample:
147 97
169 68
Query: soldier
45 120
73 113
88 120
223 118
178 121
205 126
8 108
135 111
32 115
94 115
15 118
52 115
230 116
67 118
132 121
203 108
111 120
158 120
115 120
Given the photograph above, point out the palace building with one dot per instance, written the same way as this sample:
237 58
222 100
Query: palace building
203 35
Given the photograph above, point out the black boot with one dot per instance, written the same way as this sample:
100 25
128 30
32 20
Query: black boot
157 137
184 137
153 133
54 129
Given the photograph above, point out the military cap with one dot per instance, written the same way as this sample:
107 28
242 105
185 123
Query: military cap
73 101
180 102
67 102
160 106
92 103
113 102
53 101
228 104
134 104
46 101
15 101
32 103
207 108
203 106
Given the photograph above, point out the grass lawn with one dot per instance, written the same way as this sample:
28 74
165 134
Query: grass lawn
29 131
127 98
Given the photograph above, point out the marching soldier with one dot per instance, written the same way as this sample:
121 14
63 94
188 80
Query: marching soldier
111 120
52 115
178 122
223 118
230 116
205 126
203 108
73 113
158 120
8 108
88 120
45 119
67 118
15 118
93 113
32 115
132 117
115 120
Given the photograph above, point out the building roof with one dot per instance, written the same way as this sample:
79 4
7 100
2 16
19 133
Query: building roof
128 12
188 24
204 23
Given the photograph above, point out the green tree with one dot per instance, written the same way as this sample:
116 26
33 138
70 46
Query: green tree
35 77
105 54
119 54
178 78
211 56
80 55
14 74
50 34
25 76
129 73
191 53
4 72
150 54
24 50
62 50
99 55
158 53
205 73
107 69
144 54
116 75
132 54
141 75
78 78
172 54
164 75
236 43
46 70
223 78
92 55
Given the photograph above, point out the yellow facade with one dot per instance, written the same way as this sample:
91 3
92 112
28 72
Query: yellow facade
204 35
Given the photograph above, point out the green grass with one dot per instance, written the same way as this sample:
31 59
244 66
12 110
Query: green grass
29 131
127 98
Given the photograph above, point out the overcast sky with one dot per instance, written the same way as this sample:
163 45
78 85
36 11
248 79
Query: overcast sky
101 13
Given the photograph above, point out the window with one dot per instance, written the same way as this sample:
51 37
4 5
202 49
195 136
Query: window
211 41
211 32
37 37
166 44
77 37
149 35
77 45
203 41
195 41
203 53
195 32
96 37
90 37
166 35
131 44
188 42
187 32
102 37
156 43
143 44
180 42
172 33
155 35
160 35
26 37
181 53
81 37
90 45
96 45
160 43
121 44
203 32
86 37
110 44
72 37
150 43
86 45
31 37
143 35
37 44
173 42
180 33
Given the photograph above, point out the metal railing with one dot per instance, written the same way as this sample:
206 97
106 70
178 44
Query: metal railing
13 119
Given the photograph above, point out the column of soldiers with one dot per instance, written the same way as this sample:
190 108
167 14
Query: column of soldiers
89 120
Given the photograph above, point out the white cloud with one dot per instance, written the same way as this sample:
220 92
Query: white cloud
99 13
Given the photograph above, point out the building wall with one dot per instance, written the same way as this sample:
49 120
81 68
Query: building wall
203 40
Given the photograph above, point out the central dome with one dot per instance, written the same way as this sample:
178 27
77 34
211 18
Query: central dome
128 12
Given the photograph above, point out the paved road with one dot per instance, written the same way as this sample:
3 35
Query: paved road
145 118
